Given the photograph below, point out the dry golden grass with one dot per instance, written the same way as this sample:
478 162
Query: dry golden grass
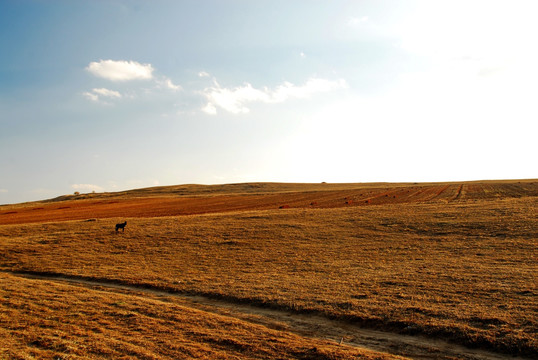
47 320
461 267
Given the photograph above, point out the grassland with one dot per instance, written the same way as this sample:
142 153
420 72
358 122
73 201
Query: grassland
451 261
73 322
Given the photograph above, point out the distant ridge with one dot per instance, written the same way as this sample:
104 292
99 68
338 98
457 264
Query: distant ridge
264 188
180 200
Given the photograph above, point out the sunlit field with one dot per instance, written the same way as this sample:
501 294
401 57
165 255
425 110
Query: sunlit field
455 262
47 320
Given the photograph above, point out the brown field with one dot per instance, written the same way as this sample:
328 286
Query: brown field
418 270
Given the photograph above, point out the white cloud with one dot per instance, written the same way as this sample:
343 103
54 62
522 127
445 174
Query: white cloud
234 100
3 191
168 84
91 96
87 187
107 93
121 70
203 74
210 109
98 94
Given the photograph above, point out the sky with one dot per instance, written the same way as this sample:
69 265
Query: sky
117 95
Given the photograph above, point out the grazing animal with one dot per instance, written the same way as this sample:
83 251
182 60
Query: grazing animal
121 226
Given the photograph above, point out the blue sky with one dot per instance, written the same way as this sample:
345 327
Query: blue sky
114 95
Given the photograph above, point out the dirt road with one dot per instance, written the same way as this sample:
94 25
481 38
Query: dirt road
307 325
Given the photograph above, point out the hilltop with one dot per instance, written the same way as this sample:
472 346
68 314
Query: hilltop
202 199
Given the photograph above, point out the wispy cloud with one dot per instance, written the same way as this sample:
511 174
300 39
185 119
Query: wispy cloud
234 100
87 187
3 191
168 84
107 93
91 96
98 94
121 70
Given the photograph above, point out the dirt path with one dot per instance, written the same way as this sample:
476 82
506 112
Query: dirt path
307 325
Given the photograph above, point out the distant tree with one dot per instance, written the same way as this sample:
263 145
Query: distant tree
77 193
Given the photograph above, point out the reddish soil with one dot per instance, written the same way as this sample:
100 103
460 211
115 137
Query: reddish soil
128 205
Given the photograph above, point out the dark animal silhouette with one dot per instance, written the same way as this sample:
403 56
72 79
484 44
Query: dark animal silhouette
121 226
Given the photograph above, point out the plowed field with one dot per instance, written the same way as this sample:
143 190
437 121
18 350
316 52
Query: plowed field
196 199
